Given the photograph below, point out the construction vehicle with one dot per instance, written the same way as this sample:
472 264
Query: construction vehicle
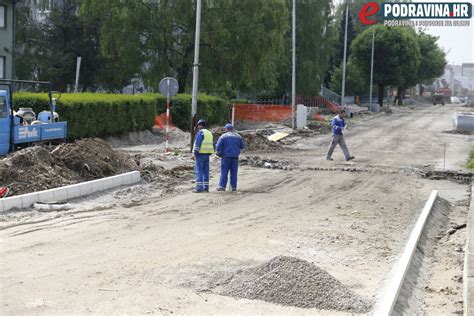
438 98
23 128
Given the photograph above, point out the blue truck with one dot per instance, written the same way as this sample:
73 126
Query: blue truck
23 128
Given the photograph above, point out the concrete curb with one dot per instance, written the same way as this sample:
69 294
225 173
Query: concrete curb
392 290
69 192
468 275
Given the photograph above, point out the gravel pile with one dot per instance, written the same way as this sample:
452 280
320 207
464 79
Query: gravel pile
294 282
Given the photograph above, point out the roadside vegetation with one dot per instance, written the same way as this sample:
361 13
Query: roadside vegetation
245 49
470 160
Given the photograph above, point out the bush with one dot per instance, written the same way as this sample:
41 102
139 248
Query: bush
92 115
213 109
100 115
470 161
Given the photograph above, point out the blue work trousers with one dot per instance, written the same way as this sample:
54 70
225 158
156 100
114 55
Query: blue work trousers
201 169
231 165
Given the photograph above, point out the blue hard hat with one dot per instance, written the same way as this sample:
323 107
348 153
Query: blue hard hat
201 122
229 126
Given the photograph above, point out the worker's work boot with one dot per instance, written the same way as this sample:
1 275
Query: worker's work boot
328 158
350 158
220 189
234 189
197 191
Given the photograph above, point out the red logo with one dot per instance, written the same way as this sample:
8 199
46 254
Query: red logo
369 9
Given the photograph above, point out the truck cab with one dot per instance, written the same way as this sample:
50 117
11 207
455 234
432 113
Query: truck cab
22 128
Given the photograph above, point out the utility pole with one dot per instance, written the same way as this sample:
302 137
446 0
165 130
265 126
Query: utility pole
195 71
372 67
78 70
293 72
343 92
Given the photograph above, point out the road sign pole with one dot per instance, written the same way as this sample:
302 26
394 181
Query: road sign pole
169 87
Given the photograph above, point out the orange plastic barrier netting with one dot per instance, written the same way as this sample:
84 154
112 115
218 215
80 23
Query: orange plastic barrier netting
262 113
160 121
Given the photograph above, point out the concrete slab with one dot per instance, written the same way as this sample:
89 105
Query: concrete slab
68 192
469 261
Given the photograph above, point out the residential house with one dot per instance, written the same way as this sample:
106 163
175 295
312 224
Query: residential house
7 38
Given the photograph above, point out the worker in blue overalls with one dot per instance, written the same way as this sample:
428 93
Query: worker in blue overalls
228 147
203 148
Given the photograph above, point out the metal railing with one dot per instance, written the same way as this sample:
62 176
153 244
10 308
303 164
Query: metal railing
331 95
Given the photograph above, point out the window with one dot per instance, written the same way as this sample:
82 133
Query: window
2 67
3 16
3 107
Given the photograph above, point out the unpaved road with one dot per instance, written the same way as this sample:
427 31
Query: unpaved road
157 250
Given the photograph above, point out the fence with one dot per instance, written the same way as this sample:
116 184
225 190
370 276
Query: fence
262 112
267 111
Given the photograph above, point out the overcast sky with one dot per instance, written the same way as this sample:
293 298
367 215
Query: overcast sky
457 40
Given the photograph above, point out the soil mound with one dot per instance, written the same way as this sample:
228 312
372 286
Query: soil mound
294 282
40 168
254 141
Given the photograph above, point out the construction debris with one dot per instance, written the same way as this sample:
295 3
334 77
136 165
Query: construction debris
294 282
277 136
39 168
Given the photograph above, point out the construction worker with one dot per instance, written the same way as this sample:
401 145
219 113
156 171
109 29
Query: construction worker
228 147
338 124
203 148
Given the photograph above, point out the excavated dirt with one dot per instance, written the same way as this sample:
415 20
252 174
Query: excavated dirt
254 140
40 168
294 282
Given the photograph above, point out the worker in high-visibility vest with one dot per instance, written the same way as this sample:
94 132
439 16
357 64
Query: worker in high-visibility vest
203 148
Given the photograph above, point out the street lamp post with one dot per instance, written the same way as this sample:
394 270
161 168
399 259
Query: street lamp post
293 72
195 71
343 92
372 67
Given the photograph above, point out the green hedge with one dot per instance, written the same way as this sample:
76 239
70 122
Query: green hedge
92 114
213 109
99 115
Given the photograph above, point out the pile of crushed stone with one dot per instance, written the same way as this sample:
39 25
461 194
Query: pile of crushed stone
39 168
294 282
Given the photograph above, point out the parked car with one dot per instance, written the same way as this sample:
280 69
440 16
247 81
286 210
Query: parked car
455 100
463 99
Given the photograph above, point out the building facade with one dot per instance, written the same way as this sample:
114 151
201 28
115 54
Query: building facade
7 38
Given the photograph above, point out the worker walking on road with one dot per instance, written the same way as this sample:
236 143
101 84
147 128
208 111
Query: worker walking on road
203 148
338 124
228 147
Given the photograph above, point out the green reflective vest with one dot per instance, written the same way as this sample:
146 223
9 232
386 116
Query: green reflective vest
207 145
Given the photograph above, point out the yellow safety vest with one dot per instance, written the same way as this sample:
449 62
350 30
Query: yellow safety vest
207 145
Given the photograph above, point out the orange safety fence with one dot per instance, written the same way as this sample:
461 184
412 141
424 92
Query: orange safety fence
262 112
160 121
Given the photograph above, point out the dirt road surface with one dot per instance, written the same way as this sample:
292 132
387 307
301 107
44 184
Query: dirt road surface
157 248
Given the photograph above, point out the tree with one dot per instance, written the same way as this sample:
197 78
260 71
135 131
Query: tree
397 56
240 40
315 45
47 50
433 59
338 52
432 63
356 83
